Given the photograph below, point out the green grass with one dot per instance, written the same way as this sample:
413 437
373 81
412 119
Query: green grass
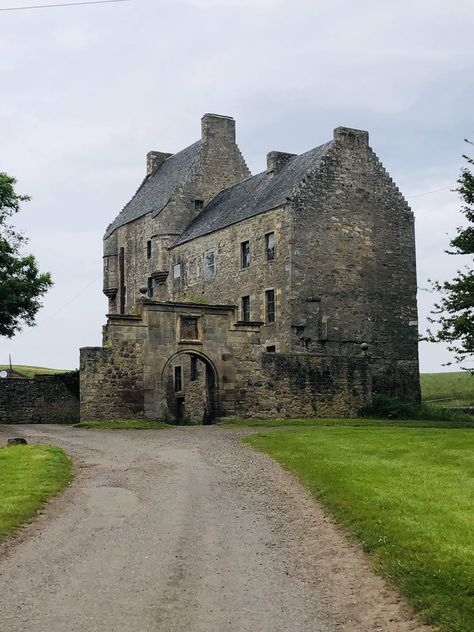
407 493
465 421
458 385
122 424
31 371
29 475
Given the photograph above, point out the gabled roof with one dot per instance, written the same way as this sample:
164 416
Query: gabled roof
253 196
155 191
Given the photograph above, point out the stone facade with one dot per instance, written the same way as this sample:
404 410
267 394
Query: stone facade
44 399
296 287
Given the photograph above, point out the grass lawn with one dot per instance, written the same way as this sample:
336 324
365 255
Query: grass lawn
407 494
31 371
29 475
458 385
466 421
122 424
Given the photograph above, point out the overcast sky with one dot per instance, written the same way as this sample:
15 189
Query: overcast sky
86 91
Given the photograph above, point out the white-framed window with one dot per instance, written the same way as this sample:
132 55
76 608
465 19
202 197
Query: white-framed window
177 271
209 266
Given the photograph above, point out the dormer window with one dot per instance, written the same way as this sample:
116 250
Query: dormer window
198 205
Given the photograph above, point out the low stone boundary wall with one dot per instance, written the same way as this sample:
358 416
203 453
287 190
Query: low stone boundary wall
52 399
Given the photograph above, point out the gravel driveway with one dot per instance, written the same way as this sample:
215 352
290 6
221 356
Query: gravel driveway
184 530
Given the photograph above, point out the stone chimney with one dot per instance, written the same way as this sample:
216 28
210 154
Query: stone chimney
351 136
276 160
154 160
217 129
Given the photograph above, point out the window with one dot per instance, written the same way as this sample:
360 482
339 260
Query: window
246 308
189 328
150 286
198 205
245 254
270 246
271 349
123 289
194 369
177 271
270 306
148 249
209 266
178 379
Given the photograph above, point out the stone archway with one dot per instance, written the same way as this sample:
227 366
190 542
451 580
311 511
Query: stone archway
190 388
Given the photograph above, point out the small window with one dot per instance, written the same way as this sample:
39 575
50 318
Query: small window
189 328
150 286
209 266
270 246
271 349
177 271
245 254
178 379
194 369
198 205
148 249
270 306
246 308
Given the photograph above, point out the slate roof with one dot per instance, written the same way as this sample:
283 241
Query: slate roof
253 196
154 193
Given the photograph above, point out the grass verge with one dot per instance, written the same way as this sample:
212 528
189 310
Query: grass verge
29 475
407 494
464 421
122 424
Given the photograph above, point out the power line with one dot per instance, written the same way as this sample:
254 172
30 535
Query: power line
428 192
62 4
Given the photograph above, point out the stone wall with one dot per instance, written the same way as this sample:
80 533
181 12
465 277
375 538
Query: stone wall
112 376
231 282
44 399
305 386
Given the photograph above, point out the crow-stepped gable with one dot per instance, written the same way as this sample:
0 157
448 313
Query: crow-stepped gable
291 293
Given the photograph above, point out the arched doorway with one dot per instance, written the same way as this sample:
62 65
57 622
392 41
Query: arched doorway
190 388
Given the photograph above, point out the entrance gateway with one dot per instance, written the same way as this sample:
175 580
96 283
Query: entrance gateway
193 363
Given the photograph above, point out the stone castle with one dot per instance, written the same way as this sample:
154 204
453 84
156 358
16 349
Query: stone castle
291 293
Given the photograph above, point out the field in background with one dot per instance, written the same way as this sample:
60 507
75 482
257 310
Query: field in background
456 389
31 371
407 494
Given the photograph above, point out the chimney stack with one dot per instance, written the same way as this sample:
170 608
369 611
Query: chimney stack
276 160
154 160
217 129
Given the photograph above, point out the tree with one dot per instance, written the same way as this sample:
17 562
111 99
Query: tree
454 314
21 283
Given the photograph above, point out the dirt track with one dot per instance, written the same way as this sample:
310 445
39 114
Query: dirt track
184 530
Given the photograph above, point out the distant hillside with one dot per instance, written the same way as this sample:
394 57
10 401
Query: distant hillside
31 371
458 385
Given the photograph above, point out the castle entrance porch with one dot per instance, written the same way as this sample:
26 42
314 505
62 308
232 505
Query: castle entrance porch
190 387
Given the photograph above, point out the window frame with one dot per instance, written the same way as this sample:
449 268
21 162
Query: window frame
245 307
177 265
208 274
178 378
267 248
245 257
268 312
